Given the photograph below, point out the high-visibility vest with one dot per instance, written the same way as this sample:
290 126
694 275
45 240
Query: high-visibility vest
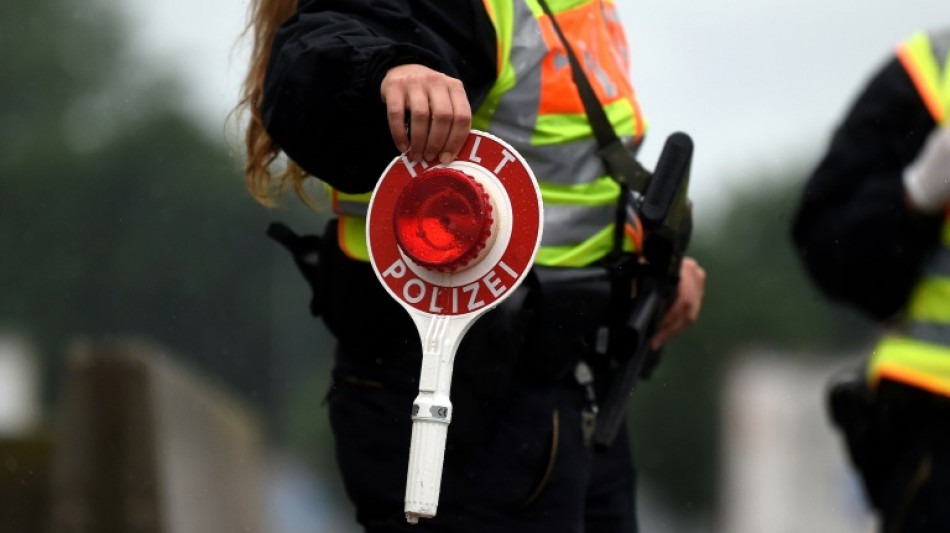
918 353
534 106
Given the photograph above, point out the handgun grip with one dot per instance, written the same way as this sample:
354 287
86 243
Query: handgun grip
671 169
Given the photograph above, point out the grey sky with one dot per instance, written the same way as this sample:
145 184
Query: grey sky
757 84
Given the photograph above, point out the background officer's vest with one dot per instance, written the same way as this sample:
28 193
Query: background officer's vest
919 354
534 106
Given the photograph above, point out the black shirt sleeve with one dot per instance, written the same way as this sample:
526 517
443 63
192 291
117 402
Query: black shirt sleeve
322 104
854 231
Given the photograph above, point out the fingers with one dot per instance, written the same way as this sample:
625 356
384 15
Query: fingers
440 116
418 123
461 125
686 307
441 113
677 318
395 100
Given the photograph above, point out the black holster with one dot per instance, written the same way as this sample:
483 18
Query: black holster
570 310
305 250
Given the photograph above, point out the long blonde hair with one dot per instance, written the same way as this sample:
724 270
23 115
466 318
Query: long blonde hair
264 16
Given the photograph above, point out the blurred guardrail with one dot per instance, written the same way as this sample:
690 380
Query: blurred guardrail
25 448
143 444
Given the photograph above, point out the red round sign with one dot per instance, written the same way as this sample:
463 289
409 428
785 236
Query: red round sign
516 232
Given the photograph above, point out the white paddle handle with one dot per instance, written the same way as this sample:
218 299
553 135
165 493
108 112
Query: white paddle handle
431 413
430 425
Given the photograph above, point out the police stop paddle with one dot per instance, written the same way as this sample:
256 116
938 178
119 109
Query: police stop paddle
449 243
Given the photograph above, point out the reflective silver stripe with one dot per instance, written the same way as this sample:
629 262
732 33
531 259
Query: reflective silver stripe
938 264
357 209
574 224
940 42
929 332
567 164
517 113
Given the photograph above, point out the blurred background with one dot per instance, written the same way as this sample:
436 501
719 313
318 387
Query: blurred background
145 318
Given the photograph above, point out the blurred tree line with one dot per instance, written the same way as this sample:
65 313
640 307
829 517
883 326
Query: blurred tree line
118 215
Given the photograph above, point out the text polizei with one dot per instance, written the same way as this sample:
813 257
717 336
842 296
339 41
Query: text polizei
464 299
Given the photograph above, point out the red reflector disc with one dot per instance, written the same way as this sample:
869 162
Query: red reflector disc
443 219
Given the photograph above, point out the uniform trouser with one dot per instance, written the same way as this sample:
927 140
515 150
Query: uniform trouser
911 479
518 465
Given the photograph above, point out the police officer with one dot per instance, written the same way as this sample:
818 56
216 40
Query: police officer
872 231
342 87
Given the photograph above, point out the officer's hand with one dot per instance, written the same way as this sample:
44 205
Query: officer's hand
927 179
440 117
689 298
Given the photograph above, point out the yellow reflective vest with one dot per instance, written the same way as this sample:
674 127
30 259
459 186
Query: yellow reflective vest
919 352
534 106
